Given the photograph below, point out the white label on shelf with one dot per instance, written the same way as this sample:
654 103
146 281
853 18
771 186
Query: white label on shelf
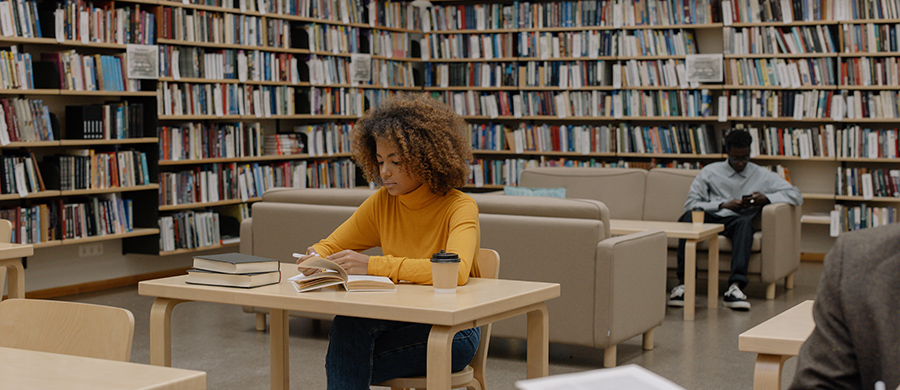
59 17
786 11
576 45
867 191
20 180
479 176
6 19
4 130
726 13
545 47
84 27
517 106
835 226
723 108
594 49
562 105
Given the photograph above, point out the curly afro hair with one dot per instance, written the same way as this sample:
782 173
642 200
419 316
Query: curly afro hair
430 138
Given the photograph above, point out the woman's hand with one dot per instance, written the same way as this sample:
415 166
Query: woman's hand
353 262
310 252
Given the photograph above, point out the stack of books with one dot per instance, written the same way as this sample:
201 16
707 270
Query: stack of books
234 270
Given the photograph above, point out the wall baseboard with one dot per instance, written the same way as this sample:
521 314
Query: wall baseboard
102 284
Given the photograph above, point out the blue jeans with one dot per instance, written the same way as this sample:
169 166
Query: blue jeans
363 351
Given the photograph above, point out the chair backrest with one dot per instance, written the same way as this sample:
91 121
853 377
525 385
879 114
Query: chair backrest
5 230
69 328
621 189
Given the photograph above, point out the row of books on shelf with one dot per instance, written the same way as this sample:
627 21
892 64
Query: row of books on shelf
507 172
523 14
328 70
665 139
20 19
189 230
336 39
848 218
755 11
86 72
833 105
193 25
84 169
95 216
868 71
77 21
780 72
781 40
230 181
859 142
26 120
284 144
20 175
546 45
115 120
343 101
195 140
326 139
565 104
871 38
228 64
16 69
868 183
224 99
793 142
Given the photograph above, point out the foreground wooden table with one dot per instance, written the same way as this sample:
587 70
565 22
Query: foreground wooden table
479 302
24 369
775 341
10 257
692 233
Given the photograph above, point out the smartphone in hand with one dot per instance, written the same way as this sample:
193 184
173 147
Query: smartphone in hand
747 200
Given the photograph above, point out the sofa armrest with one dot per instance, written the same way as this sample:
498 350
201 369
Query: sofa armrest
780 241
247 236
631 286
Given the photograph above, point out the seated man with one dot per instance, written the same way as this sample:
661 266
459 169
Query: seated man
732 192
855 342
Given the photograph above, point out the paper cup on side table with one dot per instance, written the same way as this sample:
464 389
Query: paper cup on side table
697 216
444 271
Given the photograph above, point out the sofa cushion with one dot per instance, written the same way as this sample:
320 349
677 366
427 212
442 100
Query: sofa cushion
526 191
667 189
617 188
724 243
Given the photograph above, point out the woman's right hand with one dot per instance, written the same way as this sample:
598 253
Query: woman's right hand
310 252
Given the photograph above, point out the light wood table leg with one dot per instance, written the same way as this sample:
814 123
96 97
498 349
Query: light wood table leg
767 372
690 278
538 339
278 350
439 345
713 289
161 331
16 273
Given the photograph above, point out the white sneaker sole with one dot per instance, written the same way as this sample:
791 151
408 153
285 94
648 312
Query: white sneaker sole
676 303
738 305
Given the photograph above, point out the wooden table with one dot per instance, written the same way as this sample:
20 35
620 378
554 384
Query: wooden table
692 233
11 255
24 369
479 302
775 341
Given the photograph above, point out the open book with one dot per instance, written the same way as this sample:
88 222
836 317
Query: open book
333 275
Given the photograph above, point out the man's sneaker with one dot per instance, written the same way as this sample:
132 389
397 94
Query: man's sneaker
736 299
676 297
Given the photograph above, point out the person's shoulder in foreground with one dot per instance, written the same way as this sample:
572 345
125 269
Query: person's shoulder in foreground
856 341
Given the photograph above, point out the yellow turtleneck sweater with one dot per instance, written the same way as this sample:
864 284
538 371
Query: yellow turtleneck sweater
410 228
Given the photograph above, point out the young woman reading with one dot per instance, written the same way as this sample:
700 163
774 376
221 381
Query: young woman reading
417 149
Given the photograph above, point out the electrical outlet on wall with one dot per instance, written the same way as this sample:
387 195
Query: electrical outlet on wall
90 250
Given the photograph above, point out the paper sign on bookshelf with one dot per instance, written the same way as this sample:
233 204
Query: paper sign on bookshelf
704 68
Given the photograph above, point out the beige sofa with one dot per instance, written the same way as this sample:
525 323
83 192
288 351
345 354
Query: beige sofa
659 195
612 288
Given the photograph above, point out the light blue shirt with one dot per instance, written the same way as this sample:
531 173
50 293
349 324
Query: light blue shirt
718 183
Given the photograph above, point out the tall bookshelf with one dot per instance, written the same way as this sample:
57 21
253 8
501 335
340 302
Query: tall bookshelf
783 81
70 179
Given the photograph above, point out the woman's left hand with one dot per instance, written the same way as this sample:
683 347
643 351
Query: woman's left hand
353 262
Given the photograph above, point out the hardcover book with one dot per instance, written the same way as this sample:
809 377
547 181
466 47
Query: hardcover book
235 263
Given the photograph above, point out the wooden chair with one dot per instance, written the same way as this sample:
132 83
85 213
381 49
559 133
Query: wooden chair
5 234
471 377
69 328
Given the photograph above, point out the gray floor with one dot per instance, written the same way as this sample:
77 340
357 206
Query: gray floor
702 354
